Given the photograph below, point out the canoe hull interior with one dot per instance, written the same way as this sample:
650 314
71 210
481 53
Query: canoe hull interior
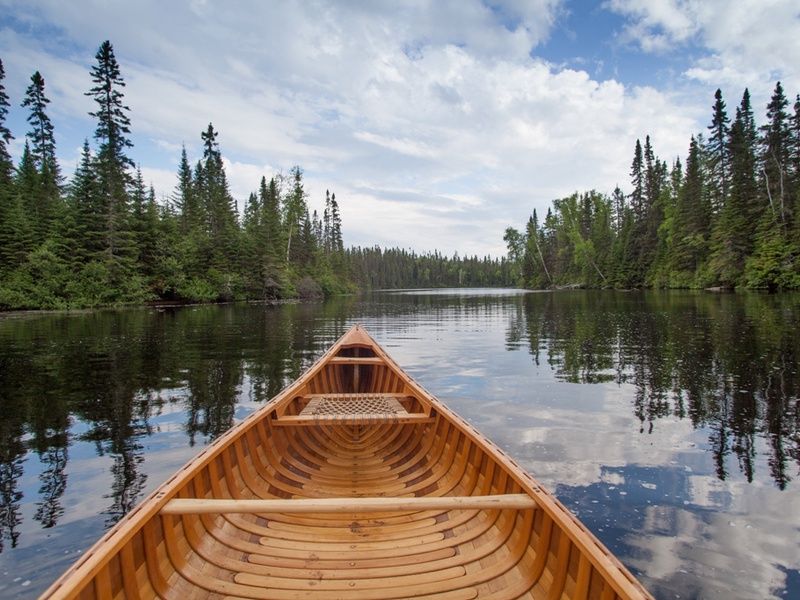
360 434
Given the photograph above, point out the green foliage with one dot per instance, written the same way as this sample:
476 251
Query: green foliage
732 219
775 262
39 282
105 240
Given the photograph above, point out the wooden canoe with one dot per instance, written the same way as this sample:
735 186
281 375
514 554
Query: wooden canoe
354 482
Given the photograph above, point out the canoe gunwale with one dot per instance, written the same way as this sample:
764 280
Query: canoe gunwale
100 554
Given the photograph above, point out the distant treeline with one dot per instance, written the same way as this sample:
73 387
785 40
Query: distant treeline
103 239
730 217
376 268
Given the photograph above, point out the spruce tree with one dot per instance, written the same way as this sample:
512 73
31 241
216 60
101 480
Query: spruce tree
219 206
337 244
17 231
326 223
272 240
733 233
293 210
43 145
8 197
775 156
795 143
83 199
652 178
618 200
251 251
774 261
691 220
43 198
637 181
6 166
796 168
113 123
745 170
185 199
718 154
113 126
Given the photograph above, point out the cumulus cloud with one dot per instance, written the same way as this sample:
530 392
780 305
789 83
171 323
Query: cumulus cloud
748 42
442 99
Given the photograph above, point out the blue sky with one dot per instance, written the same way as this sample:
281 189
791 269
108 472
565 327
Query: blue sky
437 123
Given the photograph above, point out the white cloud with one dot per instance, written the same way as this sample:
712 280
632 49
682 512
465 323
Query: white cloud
747 42
441 99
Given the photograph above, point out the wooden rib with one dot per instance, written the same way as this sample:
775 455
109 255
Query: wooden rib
582 580
373 509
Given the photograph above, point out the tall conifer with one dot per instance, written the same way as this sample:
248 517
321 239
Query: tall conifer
775 155
43 145
42 200
112 162
6 166
637 181
718 154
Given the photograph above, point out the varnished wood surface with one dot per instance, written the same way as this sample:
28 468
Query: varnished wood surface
410 502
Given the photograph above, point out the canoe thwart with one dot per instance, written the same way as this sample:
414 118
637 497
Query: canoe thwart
355 360
354 419
182 506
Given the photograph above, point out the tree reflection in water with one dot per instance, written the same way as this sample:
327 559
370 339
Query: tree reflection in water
132 391
727 362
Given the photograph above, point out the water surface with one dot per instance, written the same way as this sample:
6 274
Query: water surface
668 422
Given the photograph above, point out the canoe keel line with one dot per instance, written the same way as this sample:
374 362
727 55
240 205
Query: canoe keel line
353 482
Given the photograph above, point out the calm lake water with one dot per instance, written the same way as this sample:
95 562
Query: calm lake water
668 422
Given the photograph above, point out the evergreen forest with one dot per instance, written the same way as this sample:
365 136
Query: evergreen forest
729 217
102 238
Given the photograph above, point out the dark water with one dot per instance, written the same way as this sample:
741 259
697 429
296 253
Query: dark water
669 422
